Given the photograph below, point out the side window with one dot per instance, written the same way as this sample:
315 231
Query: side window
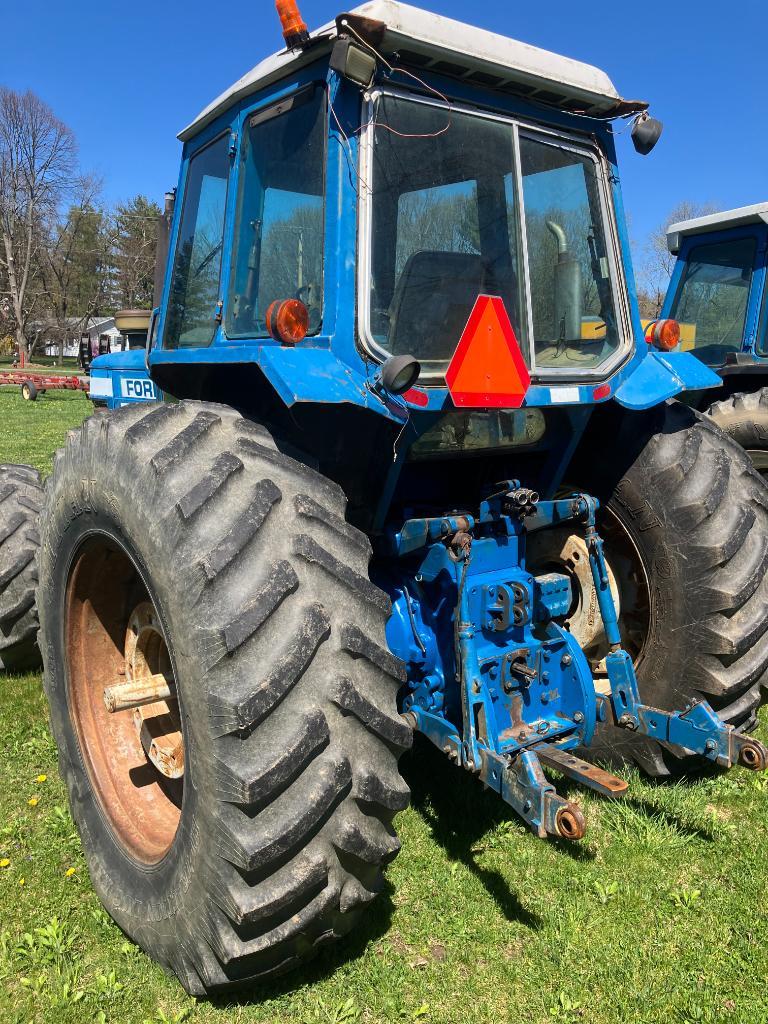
191 318
280 214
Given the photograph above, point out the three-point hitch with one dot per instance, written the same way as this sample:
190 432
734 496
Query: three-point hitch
507 689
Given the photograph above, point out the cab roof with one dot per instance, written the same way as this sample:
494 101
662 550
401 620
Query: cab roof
450 47
740 217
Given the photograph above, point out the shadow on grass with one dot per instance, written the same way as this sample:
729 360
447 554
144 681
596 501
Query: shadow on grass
374 922
689 824
460 812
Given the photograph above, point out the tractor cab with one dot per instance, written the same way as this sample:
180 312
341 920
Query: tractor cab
717 292
347 203
718 295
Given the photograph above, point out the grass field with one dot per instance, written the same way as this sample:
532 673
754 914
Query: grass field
49 364
658 916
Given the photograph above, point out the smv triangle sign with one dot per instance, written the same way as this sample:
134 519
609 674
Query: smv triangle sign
487 369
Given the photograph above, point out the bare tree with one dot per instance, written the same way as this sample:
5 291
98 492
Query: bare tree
37 168
656 261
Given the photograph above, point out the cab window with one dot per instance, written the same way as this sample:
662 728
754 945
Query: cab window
280 212
195 283
711 301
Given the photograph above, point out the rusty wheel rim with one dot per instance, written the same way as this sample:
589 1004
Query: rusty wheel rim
134 758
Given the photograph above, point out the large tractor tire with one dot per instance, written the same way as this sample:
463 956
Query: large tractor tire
21 498
744 418
242 817
685 522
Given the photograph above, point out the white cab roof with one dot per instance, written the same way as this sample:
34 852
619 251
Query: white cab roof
737 218
432 41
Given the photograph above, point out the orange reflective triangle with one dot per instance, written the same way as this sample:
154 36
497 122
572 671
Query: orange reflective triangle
487 368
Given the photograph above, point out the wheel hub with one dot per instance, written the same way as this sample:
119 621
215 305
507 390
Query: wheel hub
569 553
559 550
148 665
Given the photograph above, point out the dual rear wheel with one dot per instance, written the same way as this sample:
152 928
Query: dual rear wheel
21 499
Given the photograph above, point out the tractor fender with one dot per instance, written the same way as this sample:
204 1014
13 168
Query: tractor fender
317 375
662 375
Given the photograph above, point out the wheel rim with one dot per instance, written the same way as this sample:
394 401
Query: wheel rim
134 757
566 552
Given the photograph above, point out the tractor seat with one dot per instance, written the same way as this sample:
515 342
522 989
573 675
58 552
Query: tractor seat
432 302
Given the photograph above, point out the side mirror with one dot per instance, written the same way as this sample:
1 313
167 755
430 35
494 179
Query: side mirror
646 132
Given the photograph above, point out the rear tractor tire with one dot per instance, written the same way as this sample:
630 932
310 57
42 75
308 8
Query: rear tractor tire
744 418
241 816
21 498
685 522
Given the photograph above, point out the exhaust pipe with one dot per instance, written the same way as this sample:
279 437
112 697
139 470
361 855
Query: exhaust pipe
163 242
295 31
568 286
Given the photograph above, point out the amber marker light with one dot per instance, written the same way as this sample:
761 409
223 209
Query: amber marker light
295 30
288 321
663 334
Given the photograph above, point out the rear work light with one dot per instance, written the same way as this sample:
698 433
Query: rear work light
663 334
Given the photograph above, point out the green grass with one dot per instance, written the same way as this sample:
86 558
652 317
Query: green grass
70 364
658 916
30 432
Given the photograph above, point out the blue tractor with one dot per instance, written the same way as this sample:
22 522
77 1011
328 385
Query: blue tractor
718 295
416 470
121 378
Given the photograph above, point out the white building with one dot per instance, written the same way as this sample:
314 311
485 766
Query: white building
94 327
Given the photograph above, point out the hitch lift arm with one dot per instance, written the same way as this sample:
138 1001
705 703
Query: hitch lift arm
697 728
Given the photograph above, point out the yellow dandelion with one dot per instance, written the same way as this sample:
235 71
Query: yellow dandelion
69 872
33 801
42 778
4 863
22 881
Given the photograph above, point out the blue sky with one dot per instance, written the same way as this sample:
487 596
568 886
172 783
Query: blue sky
127 77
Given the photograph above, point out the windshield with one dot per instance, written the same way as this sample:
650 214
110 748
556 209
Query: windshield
448 224
711 302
